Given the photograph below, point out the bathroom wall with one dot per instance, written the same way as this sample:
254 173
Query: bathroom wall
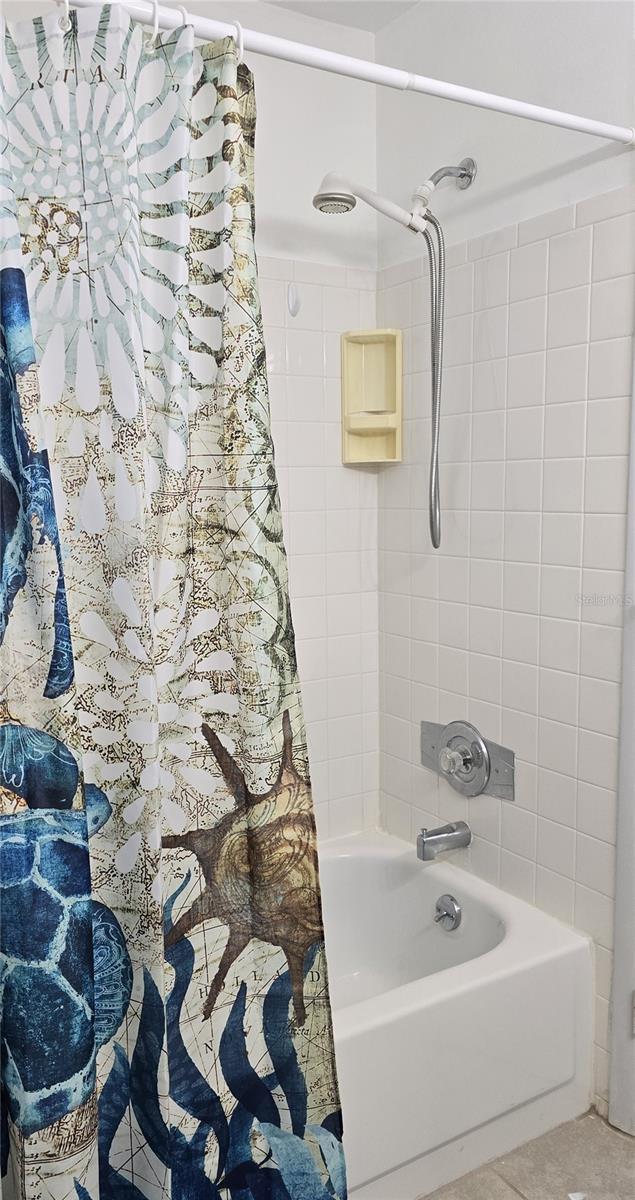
330 522
575 55
516 624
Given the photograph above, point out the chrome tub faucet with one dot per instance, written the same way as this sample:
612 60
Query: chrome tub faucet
431 842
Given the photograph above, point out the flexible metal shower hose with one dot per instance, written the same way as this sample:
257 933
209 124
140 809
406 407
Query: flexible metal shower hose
437 304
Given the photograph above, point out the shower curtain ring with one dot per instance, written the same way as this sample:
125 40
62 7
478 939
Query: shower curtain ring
65 20
185 16
151 42
240 42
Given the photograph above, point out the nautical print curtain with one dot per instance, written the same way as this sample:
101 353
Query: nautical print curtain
165 1022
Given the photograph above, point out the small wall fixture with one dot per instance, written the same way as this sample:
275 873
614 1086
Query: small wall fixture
469 763
372 396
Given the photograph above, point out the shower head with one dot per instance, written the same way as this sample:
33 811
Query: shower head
333 196
339 195
334 202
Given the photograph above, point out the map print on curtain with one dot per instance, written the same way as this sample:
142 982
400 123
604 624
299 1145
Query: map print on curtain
164 1016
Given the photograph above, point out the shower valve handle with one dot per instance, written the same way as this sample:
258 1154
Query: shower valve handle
470 764
451 761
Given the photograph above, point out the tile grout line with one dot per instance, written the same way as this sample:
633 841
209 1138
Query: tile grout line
511 1186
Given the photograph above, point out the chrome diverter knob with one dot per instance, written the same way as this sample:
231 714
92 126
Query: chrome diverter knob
451 761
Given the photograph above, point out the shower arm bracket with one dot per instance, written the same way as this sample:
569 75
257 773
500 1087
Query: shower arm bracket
463 174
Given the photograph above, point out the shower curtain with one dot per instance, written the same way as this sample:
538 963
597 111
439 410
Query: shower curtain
165 1021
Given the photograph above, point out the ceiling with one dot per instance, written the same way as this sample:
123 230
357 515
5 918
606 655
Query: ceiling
360 14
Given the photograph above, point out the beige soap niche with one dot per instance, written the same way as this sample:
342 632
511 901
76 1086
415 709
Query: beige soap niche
372 396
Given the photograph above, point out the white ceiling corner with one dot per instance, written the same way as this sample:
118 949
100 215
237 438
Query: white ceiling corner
371 15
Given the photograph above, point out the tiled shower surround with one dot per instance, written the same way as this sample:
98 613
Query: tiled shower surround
516 623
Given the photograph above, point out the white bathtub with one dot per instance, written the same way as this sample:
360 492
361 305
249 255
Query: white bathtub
455 1047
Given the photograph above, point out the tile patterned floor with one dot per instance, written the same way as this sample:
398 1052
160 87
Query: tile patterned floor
586 1157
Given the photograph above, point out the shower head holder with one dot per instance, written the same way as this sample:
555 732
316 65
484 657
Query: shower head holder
464 175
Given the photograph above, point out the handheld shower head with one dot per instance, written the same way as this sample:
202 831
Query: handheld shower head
334 196
339 195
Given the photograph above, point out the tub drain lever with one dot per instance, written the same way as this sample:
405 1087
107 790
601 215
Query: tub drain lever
448 912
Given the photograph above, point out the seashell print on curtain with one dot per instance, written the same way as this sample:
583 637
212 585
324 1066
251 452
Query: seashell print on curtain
164 1014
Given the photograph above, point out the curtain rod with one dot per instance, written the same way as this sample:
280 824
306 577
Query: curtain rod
358 68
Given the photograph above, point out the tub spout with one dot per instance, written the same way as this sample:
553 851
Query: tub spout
431 842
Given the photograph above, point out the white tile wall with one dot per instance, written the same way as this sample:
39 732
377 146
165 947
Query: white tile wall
516 623
330 526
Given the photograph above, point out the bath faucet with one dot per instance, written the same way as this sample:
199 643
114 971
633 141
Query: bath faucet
431 842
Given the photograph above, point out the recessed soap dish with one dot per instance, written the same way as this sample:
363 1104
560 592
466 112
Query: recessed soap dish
372 396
